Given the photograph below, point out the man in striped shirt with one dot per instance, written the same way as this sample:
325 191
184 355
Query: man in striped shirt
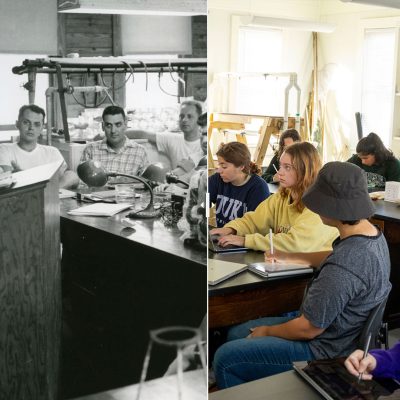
116 153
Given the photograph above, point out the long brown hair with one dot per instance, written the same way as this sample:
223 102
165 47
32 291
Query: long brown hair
289 133
238 154
307 163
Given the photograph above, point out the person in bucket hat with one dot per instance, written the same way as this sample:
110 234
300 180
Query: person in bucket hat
348 283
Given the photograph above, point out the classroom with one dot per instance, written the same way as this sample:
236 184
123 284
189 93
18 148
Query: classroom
199 199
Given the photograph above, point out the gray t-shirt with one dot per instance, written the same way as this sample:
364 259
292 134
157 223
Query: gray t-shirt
351 281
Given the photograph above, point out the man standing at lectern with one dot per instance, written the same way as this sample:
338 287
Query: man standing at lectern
28 153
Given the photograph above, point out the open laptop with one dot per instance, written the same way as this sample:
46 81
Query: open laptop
331 379
216 248
219 271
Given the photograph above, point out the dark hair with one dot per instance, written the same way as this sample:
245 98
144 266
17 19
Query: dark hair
372 144
202 121
34 108
238 154
307 163
289 133
113 110
197 105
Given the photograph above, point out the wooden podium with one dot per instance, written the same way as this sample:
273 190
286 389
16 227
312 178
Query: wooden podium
30 286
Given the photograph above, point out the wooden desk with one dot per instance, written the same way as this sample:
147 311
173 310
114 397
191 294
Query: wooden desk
121 283
285 386
248 296
387 216
194 388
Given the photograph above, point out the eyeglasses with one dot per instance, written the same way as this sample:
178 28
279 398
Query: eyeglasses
287 167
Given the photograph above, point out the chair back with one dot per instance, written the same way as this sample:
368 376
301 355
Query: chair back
373 327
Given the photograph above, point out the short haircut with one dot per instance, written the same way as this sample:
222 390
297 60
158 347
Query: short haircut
113 110
202 121
196 104
32 107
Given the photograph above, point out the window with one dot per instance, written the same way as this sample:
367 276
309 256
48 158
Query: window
12 84
378 82
260 50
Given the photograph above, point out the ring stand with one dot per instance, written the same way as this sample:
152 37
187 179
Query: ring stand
178 337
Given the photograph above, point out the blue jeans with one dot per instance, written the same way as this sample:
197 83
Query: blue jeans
242 360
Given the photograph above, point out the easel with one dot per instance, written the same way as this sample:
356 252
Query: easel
236 122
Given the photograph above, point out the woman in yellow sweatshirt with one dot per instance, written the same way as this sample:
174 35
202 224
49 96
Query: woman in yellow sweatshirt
295 228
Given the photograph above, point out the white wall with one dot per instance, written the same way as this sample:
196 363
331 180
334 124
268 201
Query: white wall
340 54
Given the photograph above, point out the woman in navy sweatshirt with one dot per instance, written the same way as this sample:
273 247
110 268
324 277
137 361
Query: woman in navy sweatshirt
235 188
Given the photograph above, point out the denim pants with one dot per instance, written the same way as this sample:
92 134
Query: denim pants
242 360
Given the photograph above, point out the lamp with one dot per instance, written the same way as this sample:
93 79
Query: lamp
172 178
94 175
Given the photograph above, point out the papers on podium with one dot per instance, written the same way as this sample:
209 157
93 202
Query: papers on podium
100 209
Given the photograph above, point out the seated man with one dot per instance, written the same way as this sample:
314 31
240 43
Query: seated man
176 146
350 281
116 153
27 153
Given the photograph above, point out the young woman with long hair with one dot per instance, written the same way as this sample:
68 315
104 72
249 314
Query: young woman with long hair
295 228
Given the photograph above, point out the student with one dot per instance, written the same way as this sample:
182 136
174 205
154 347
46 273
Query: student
349 283
378 363
377 161
235 188
116 152
28 153
287 138
295 228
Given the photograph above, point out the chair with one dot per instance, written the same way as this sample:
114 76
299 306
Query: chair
375 327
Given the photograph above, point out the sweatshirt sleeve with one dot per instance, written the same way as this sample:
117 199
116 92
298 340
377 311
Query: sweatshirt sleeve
306 234
268 175
259 220
387 362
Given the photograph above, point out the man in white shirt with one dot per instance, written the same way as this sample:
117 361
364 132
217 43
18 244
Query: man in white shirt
27 153
176 146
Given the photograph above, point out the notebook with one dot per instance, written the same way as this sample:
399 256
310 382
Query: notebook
218 271
331 379
100 209
270 270
214 247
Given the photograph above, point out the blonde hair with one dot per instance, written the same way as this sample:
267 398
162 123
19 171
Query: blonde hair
238 154
307 163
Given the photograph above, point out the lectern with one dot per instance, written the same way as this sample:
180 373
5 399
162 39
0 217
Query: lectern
30 285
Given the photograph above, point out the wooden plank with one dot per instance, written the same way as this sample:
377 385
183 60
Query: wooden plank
83 40
116 36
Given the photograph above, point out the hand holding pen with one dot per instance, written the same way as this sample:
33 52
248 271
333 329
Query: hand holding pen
360 363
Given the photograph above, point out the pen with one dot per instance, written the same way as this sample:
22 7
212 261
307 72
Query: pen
271 243
275 168
365 355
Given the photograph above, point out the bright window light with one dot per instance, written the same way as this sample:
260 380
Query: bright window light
378 82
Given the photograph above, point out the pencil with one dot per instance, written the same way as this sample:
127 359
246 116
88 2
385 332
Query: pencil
271 243
275 168
365 355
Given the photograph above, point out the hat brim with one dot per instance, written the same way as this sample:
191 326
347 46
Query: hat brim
338 208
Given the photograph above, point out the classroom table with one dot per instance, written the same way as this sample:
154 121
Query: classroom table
387 216
248 296
118 283
285 386
193 388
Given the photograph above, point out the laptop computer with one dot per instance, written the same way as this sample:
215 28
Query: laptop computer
216 248
218 270
331 379
270 270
